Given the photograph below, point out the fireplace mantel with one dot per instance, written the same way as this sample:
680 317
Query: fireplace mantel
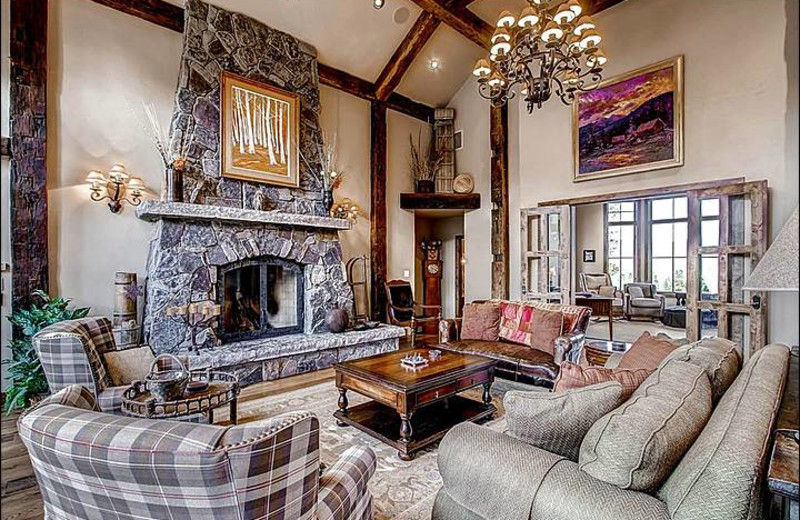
153 210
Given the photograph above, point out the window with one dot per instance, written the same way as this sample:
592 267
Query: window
620 238
668 243
709 237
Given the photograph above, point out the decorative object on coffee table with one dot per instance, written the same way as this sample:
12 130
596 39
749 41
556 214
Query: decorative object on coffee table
412 408
222 389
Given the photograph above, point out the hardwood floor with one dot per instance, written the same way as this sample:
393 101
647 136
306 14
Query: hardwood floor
20 498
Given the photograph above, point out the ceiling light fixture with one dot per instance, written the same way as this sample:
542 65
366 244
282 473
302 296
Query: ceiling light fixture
377 4
544 50
434 64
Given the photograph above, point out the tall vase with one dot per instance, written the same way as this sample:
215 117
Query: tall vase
174 185
327 200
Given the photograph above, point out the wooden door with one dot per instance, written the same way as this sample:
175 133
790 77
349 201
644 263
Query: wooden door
728 233
546 271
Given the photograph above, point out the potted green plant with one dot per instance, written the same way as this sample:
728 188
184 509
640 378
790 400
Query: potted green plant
25 375
424 164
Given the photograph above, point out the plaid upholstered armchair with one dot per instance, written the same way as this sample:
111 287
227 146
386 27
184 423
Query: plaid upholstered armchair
84 352
95 466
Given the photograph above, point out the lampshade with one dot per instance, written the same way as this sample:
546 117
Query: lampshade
529 17
95 176
777 270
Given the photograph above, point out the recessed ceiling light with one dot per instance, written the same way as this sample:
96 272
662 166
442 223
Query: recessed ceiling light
434 64
377 4
401 15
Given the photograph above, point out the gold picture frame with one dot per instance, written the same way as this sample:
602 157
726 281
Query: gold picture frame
641 146
259 132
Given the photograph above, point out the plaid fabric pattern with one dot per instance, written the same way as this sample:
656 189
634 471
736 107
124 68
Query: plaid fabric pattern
76 396
110 399
343 491
92 465
69 354
516 317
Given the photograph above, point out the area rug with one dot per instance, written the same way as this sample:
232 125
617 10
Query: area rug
401 490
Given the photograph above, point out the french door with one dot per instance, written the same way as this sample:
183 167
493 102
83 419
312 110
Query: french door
546 248
728 233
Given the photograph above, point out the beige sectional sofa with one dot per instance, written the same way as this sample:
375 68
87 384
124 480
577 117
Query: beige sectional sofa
691 443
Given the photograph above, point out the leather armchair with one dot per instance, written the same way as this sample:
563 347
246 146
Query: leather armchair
402 310
643 302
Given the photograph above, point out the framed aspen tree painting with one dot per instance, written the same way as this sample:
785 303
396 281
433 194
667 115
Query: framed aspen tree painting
260 132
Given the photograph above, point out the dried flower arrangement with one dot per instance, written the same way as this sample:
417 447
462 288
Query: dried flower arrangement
174 161
424 163
329 170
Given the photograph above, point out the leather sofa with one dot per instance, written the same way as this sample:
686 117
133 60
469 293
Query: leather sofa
521 362
489 475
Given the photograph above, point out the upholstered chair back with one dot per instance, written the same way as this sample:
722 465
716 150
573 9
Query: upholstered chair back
592 282
648 289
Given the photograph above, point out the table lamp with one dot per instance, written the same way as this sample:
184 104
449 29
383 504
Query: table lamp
777 270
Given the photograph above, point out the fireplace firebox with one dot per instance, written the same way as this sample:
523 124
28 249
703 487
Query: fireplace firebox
260 297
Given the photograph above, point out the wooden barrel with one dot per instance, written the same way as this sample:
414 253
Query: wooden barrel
125 298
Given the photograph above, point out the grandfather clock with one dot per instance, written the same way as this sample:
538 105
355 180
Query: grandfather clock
432 272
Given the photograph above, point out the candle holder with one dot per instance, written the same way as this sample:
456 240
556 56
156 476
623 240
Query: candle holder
199 313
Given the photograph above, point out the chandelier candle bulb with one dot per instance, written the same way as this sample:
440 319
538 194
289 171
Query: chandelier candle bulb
529 17
506 19
564 15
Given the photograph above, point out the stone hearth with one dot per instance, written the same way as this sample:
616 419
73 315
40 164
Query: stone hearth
191 242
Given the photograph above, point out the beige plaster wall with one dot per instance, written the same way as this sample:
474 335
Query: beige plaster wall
735 116
589 234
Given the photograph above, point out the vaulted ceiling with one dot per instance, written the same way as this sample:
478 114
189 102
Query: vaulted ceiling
352 36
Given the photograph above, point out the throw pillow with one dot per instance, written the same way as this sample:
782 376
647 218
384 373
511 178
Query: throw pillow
514 322
558 422
639 444
128 365
719 357
481 321
573 376
635 292
545 326
647 352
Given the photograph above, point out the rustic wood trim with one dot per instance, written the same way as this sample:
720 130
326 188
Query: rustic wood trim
461 19
172 17
404 56
161 13
592 7
5 147
499 191
415 201
378 211
644 193
28 129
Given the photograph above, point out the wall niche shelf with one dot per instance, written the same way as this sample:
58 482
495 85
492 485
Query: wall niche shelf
440 205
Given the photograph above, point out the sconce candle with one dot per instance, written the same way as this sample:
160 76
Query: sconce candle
115 187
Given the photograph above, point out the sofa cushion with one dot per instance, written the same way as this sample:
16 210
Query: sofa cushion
645 303
635 292
545 326
557 422
571 376
647 352
638 445
719 357
481 321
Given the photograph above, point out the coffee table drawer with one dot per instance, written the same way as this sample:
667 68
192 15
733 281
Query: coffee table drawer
437 393
474 379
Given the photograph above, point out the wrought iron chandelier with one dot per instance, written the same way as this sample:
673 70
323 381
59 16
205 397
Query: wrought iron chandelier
543 51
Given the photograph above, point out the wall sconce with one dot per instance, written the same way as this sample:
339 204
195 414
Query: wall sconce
115 187
346 209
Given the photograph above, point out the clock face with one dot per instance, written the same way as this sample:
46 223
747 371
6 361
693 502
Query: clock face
433 268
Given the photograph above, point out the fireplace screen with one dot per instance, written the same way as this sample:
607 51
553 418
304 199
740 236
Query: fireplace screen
261 298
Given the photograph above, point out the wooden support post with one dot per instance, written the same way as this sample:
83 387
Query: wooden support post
499 187
379 257
28 164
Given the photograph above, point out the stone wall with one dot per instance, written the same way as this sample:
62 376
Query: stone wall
183 264
217 40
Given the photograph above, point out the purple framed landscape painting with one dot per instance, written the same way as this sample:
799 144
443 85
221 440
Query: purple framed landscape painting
630 124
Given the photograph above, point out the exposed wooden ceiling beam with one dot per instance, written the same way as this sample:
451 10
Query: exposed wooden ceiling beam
404 56
595 6
459 18
363 89
156 11
171 17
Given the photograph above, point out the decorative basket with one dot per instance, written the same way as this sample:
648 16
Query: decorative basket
168 385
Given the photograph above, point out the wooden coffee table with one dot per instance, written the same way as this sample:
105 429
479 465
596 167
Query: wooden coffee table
411 409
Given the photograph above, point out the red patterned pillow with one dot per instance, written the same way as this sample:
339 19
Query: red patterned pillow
545 326
647 352
481 321
512 316
576 376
